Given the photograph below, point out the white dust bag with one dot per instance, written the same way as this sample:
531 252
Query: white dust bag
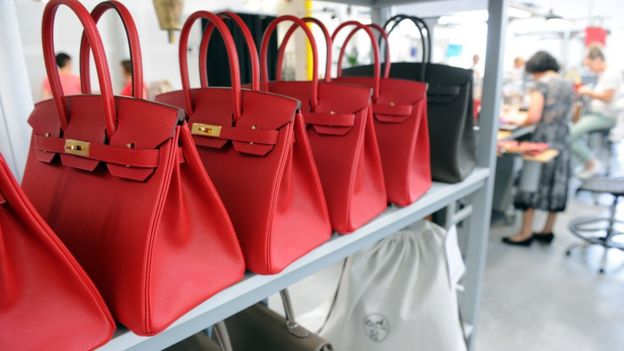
398 296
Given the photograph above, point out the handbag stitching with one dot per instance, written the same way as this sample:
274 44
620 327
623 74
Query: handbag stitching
164 191
276 186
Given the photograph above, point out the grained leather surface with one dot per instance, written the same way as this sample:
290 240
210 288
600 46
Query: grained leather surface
271 191
155 245
47 302
400 115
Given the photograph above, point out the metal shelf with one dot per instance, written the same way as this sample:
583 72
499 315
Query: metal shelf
255 288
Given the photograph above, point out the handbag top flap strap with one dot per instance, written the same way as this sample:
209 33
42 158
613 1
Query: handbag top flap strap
133 45
249 42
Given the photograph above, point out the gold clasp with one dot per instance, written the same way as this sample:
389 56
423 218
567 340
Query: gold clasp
206 130
77 147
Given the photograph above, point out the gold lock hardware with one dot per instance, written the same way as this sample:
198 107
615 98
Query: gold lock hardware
77 147
206 130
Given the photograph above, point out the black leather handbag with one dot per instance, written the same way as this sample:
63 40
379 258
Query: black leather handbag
449 104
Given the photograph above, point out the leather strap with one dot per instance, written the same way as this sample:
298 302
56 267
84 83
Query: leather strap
376 65
142 158
392 110
330 119
133 43
232 56
423 28
264 48
291 31
249 41
384 36
93 36
267 137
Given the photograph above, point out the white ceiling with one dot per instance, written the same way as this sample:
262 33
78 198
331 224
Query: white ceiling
611 10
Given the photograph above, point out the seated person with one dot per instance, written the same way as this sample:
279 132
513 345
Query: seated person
602 109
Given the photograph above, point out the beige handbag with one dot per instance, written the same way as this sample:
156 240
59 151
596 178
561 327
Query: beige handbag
259 328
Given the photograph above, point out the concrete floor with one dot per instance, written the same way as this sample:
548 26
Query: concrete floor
533 298
538 299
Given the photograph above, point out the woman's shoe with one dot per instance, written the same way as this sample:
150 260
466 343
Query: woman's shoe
526 242
592 171
544 238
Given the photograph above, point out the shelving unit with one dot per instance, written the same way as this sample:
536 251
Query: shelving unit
475 194
255 288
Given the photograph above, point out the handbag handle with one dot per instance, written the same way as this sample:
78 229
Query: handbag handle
232 57
376 63
291 31
133 44
383 35
264 48
93 36
249 41
423 31
222 336
425 38
289 313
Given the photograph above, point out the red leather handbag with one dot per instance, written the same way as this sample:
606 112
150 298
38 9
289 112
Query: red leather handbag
120 181
400 114
341 132
47 302
257 153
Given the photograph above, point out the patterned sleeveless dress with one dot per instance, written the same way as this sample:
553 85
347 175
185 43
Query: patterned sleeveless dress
554 129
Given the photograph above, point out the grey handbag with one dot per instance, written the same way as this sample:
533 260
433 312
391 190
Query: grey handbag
259 328
449 106
201 341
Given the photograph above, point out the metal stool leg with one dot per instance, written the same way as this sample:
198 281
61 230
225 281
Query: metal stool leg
571 248
609 234
603 261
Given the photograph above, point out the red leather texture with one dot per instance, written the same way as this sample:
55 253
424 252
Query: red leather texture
47 302
341 132
400 115
138 210
271 189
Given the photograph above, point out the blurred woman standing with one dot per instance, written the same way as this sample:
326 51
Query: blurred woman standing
550 108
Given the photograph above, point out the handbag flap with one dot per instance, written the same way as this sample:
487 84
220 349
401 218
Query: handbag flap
442 94
335 114
256 133
397 100
131 152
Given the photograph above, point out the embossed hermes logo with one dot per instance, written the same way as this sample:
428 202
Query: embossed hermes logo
377 327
